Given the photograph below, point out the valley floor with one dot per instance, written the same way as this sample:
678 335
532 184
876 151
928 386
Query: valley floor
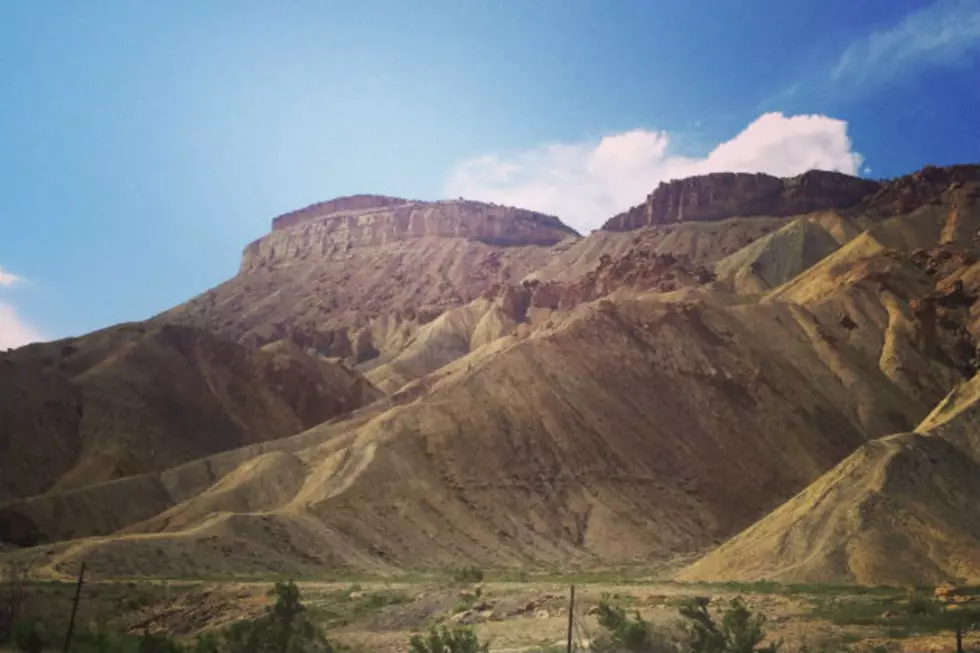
515 612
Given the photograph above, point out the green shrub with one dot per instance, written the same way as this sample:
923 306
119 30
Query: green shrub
626 634
457 640
740 630
921 604
158 643
28 637
469 574
207 643
104 640
285 628
918 615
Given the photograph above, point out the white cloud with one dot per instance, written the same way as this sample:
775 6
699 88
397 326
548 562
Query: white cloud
7 279
940 33
944 33
14 332
586 183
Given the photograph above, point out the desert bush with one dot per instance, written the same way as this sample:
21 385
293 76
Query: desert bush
104 639
740 630
628 634
468 574
28 636
157 643
285 628
207 643
457 640
921 604
919 614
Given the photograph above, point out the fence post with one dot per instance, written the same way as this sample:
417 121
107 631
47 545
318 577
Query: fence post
74 608
571 617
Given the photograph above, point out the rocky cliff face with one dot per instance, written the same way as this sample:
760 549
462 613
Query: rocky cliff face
927 186
338 226
337 205
355 277
723 195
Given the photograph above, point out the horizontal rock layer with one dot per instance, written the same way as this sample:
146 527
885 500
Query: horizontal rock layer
329 233
722 195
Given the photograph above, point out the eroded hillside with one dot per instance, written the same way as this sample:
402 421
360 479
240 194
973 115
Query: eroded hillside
617 398
355 278
136 398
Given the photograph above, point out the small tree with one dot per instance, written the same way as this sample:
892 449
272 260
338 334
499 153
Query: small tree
457 640
286 627
740 630
626 634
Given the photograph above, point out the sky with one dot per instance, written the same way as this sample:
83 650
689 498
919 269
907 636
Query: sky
144 144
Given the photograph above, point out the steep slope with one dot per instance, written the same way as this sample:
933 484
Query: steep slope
356 278
613 435
618 405
780 256
447 338
136 398
902 510
702 243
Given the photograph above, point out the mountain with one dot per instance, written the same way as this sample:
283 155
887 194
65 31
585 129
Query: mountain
356 277
137 397
634 396
902 509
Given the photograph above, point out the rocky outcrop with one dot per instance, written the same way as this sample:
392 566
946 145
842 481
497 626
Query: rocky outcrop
338 205
314 233
723 195
356 277
637 269
931 185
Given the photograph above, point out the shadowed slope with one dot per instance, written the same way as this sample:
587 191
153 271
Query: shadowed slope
135 398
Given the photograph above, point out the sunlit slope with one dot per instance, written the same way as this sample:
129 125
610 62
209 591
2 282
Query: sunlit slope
619 434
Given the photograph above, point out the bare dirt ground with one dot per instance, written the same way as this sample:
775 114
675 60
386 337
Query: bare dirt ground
515 612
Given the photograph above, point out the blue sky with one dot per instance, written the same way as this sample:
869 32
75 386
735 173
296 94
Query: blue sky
143 144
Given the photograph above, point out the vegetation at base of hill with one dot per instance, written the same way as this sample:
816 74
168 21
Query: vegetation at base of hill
917 613
736 629
792 589
290 625
470 574
343 607
739 631
286 627
445 640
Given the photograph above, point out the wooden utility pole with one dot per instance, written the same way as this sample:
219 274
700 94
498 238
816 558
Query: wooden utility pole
74 608
571 617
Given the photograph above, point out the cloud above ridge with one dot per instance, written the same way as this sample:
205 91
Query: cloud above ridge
587 182
14 331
